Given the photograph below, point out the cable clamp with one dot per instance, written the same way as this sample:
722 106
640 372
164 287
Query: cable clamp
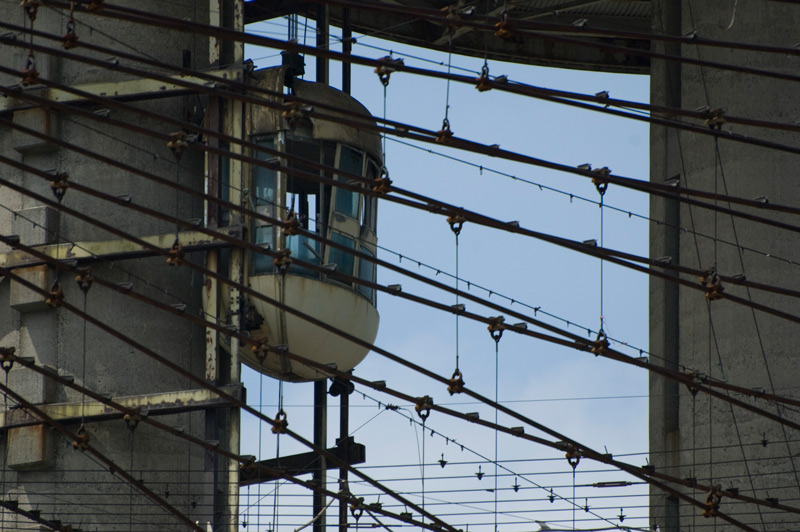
283 260
713 501
382 184
715 118
81 441
357 507
84 279
132 420
291 225
423 406
456 383
456 222
387 67
280 423
600 345
503 28
175 254
31 8
30 76
601 180
496 327
296 111
573 456
713 285
260 349
444 135
483 83
70 38
56 297
59 185
179 141
6 361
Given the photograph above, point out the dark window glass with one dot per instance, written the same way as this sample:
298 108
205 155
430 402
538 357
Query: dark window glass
344 261
366 272
350 161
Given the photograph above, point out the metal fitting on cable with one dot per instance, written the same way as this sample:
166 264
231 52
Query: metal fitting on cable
296 111
573 456
291 225
423 406
179 141
600 345
95 5
713 501
715 118
260 349
456 383
483 83
601 181
387 67
503 28
31 8
175 254
6 362
382 184
444 135
280 424
283 260
456 222
84 279
132 420
70 38
59 185
496 327
356 507
56 296
81 441
713 285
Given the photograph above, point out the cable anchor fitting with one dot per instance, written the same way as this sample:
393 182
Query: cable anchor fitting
132 420
496 327
386 68
30 76
600 345
291 225
70 38
6 362
56 297
713 501
283 261
260 349
280 424
713 285
382 184
84 279
179 141
95 5
81 441
357 507
503 28
715 118
601 180
31 8
483 83
175 254
295 113
444 135
456 383
59 185
573 456
456 222
423 406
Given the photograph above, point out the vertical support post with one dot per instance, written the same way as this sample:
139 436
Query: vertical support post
344 432
323 35
347 48
320 440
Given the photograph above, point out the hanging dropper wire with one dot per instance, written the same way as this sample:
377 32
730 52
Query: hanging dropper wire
496 328
601 184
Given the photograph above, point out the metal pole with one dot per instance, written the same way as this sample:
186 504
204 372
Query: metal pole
320 439
322 43
347 48
344 432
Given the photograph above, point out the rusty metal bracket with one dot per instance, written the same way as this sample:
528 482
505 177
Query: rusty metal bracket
84 279
283 260
600 345
6 362
573 456
95 5
357 507
291 225
713 501
294 113
382 184
388 65
30 76
132 420
444 135
281 423
715 118
81 442
601 181
70 38
261 349
423 406
456 383
59 185
496 327
503 28
31 8
713 285
56 296
456 222
179 142
175 257
483 83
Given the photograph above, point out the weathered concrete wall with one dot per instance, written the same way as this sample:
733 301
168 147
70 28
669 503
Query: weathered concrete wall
66 484
692 436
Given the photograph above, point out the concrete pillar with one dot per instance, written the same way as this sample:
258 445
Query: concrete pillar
692 436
